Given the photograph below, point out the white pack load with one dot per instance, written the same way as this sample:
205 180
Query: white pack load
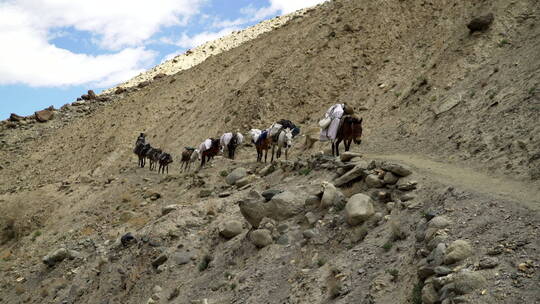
225 139
205 145
334 113
254 133
274 129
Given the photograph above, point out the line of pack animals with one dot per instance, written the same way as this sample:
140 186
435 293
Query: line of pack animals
339 124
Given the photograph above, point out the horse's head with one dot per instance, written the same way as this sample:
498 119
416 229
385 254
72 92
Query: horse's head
288 138
355 128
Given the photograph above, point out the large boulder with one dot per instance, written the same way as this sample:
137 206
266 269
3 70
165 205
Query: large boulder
261 237
331 195
44 115
457 251
480 23
359 208
231 229
400 170
285 205
390 178
253 209
236 175
354 173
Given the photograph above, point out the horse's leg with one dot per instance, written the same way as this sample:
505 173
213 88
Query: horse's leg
265 156
337 146
272 159
286 150
333 149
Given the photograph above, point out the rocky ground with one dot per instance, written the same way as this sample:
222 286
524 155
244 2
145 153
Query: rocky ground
440 206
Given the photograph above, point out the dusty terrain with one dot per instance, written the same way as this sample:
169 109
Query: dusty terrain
459 109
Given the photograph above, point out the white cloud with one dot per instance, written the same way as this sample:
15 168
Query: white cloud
27 26
281 7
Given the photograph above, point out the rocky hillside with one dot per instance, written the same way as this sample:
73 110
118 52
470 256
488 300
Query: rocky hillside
440 206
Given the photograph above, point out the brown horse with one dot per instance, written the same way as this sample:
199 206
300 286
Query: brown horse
262 146
207 155
350 130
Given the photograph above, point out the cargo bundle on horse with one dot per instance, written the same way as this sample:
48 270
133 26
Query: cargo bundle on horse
340 124
229 142
262 143
208 149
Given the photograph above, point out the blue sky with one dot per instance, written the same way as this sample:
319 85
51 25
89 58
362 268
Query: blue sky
55 50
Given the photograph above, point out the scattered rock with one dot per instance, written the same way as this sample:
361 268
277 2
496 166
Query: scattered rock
442 271
312 200
467 281
436 257
246 180
481 23
347 156
168 209
390 178
354 173
358 209
373 181
205 193
236 175
311 218
127 239
261 237
400 170
331 196
439 222
119 90
457 251
267 170
15 118
488 263
91 95
269 194
407 186
182 257
58 256
310 233
407 197
162 258
224 194
429 294
231 229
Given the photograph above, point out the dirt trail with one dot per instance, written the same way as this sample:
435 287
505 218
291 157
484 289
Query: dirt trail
508 189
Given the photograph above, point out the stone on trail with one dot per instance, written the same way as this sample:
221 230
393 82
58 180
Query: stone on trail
245 180
311 218
400 170
236 175
457 251
231 229
159 260
358 209
261 237
354 173
347 156
270 193
373 181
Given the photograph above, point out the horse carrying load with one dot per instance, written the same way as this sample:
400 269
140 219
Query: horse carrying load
340 124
